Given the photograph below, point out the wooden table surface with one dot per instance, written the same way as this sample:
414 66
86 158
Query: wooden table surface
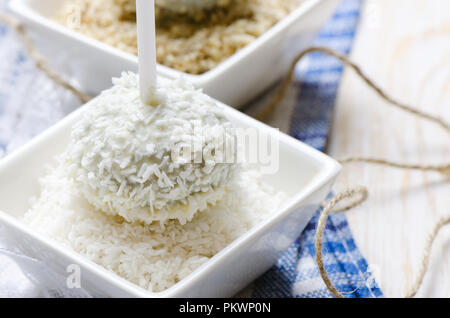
404 45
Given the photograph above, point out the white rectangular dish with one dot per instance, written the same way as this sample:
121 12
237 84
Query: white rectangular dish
235 81
304 174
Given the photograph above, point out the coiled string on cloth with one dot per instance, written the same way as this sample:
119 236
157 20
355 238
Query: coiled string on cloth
358 195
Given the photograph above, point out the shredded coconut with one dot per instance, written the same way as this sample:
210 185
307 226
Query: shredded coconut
193 45
180 6
187 5
152 257
127 157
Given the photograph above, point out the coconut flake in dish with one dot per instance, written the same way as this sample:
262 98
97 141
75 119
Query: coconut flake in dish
186 46
150 256
179 6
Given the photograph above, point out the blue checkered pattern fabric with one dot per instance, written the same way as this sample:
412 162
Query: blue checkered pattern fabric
295 273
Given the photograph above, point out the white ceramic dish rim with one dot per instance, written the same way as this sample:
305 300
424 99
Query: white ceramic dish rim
330 169
20 7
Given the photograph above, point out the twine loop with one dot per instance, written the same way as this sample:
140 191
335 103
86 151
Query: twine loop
361 194
358 195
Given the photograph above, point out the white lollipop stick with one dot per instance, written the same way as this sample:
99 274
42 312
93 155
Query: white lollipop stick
145 11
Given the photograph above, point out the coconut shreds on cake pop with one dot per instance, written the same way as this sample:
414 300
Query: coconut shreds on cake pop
129 159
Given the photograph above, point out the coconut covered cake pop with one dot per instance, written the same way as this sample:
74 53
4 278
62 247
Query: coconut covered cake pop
152 163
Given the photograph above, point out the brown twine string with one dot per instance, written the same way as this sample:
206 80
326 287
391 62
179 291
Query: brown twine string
361 193
443 169
426 256
267 111
329 208
39 60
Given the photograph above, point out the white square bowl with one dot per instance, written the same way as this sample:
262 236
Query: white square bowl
235 81
305 174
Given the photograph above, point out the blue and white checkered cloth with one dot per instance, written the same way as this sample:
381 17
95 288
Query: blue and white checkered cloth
30 102
295 273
